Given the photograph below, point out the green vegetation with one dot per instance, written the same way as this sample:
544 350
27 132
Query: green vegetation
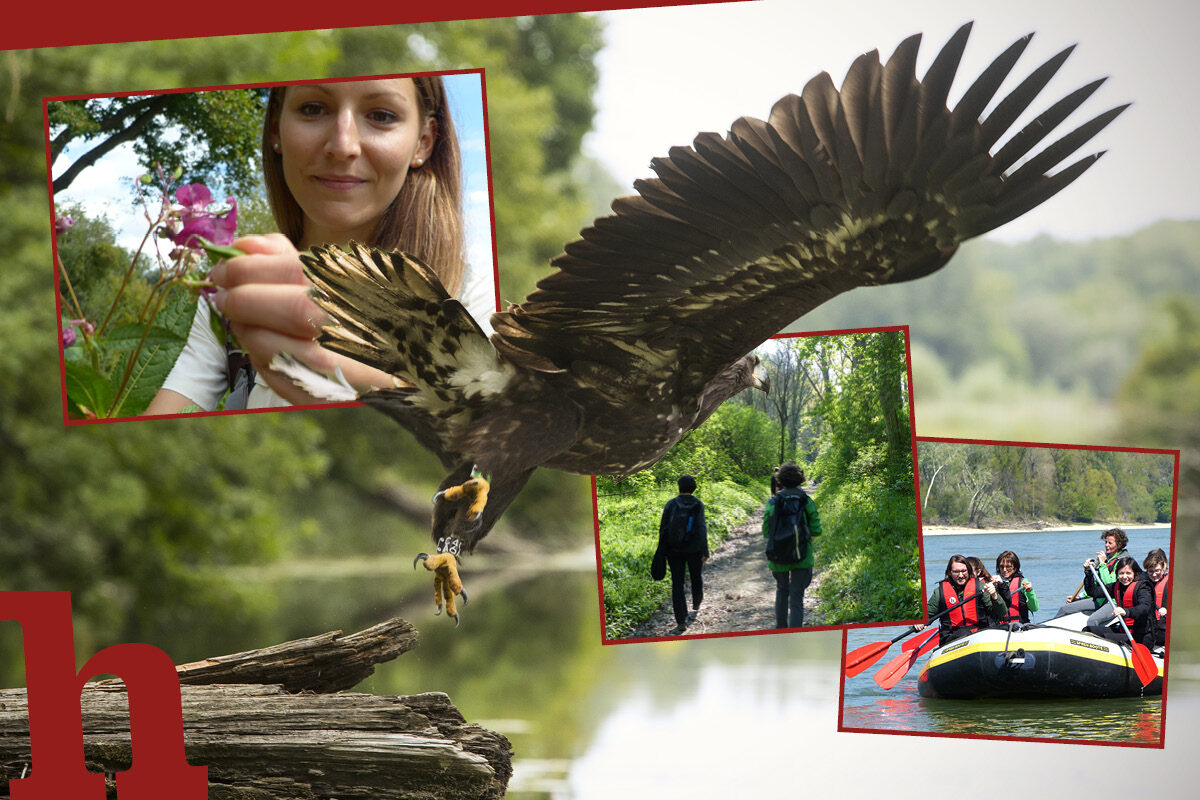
838 406
629 535
985 485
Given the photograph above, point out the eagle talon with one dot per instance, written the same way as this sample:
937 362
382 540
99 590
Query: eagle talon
446 583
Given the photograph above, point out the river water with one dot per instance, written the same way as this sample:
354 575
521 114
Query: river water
715 718
1052 561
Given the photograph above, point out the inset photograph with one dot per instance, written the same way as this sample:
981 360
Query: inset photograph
790 507
166 308
1048 577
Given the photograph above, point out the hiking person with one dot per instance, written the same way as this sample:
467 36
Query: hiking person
683 536
789 521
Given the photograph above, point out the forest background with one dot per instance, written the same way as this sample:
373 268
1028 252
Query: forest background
1083 342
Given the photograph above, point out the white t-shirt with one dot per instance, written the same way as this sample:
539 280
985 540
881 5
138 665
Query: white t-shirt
200 371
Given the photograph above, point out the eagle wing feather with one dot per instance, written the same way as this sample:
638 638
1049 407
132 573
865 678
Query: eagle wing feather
739 235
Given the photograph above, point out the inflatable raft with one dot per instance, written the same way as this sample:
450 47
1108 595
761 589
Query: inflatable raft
1051 659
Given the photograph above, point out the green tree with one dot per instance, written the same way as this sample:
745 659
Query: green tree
213 137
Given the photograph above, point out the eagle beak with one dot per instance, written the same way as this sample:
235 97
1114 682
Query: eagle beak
762 381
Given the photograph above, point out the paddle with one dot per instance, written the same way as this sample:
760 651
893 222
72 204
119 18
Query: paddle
1075 594
913 644
1143 662
858 659
898 667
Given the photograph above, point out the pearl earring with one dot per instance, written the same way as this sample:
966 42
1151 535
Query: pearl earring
418 162
276 146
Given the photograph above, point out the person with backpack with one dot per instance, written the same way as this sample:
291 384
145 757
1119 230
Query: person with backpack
683 536
789 523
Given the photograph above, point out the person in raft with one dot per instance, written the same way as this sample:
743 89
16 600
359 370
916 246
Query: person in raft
1133 600
973 601
1157 578
1114 548
1021 599
981 572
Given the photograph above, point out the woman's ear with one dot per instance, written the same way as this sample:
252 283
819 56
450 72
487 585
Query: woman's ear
426 142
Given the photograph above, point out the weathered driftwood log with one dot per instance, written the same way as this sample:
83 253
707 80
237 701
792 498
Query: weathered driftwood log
329 662
262 742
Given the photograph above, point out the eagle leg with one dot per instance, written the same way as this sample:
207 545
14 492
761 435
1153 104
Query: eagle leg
473 492
446 583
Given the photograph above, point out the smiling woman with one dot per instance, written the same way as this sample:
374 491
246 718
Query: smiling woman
373 160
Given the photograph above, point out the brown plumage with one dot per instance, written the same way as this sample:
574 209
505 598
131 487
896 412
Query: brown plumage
645 326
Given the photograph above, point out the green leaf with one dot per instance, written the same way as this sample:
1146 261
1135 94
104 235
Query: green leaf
156 358
126 337
87 389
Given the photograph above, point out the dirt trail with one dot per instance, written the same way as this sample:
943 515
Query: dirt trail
739 591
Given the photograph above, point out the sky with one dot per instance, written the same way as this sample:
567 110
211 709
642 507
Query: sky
669 73
104 187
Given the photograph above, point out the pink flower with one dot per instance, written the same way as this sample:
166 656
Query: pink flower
69 336
62 225
199 216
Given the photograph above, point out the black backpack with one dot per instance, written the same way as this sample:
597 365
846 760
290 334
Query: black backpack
679 526
787 539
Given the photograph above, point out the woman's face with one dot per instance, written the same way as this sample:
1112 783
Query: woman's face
1110 545
1125 575
1006 569
347 149
1157 572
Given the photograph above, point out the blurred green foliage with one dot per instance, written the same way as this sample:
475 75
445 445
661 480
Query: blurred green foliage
142 521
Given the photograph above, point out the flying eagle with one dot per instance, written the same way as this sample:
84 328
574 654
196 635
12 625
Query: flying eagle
646 325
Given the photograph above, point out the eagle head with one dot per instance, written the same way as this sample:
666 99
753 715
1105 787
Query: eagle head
753 375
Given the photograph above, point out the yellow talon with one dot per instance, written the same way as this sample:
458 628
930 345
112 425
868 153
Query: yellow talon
473 491
446 583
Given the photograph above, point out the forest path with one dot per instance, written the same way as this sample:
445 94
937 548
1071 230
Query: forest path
739 591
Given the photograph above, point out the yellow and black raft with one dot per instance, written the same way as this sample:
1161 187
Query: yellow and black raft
1052 659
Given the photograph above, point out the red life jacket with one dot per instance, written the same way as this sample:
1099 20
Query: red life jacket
1014 598
1160 591
961 614
1123 595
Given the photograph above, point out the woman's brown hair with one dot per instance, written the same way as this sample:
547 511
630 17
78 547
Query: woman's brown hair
425 219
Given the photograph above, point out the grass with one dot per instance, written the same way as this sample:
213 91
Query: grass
629 536
869 555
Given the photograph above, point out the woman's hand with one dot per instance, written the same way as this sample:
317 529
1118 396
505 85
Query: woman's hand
264 295
1026 585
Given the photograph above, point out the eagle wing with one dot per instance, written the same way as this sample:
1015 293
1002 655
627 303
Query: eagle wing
391 312
742 234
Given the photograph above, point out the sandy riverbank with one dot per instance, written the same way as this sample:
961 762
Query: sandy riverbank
946 530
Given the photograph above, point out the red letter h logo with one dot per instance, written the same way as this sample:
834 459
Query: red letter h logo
56 722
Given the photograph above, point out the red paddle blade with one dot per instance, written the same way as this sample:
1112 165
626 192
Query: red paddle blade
915 644
858 659
1143 664
896 669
